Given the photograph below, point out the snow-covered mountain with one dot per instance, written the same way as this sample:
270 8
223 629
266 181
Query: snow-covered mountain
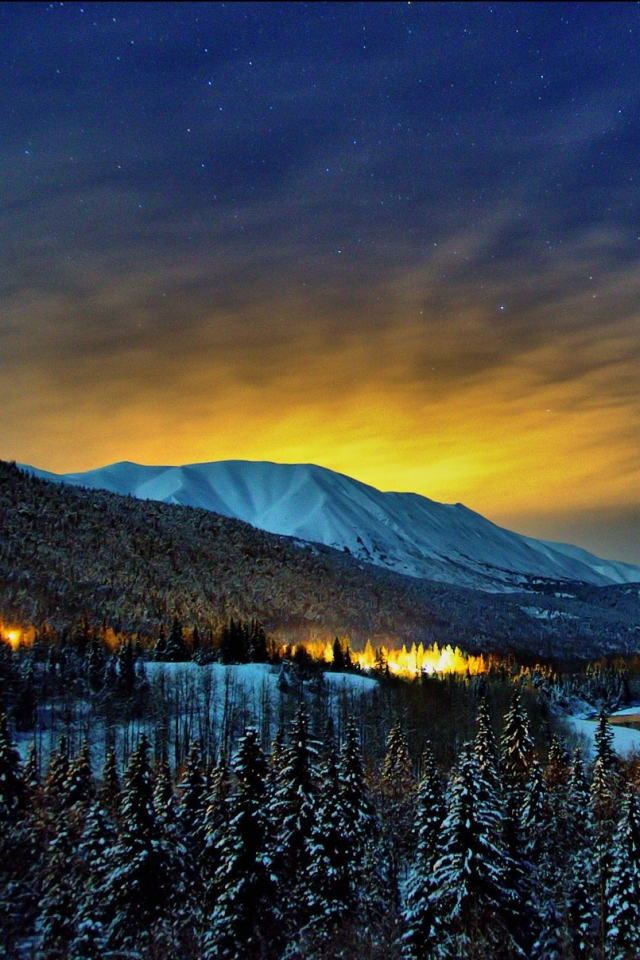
404 532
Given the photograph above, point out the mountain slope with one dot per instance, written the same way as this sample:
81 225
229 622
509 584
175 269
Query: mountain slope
68 553
403 532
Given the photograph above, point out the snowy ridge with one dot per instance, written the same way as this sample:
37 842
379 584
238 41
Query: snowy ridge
404 532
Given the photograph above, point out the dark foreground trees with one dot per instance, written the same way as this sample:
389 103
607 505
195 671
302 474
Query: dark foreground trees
302 853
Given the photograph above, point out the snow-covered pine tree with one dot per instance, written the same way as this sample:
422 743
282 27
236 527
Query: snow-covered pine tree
431 811
95 845
623 894
397 797
604 798
58 770
31 772
56 920
293 813
516 747
576 863
12 790
141 882
605 782
485 744
360 820
215 820
470 904
330 894
165 802
110 791
535 815
192 807
245 916
78 786
558 769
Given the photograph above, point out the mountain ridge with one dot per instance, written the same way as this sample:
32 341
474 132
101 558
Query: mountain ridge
402 532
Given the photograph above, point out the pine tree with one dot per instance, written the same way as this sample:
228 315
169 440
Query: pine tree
56 921
516 747
605 782
96 843
369 862
431 812
12 792
215 820
176 650
58 771
330 894
469 897
360 821
31 773
110 792
397 795
127 669
78 786
293 811
190 821
244 918
485 744
192 807
605 785
139 886
165 802
623 918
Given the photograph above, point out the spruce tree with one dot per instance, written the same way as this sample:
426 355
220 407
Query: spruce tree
110 791
397 793
139 886
56 920
94 848
469 897
330 877
516 747
623 917
245 917
58 771
485 744
293 812
78 786
12 789
215 821
165 802
431 812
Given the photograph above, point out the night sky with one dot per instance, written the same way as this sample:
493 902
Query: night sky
398 240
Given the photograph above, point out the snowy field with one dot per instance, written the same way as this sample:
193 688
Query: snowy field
213 704
625 740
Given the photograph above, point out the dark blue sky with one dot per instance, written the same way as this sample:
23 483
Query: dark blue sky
400 240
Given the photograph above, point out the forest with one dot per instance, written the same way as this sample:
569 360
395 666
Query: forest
291 808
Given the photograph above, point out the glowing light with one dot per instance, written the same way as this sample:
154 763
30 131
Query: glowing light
417 660
12 637
414 662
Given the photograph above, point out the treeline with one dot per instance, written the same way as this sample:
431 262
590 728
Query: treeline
305 851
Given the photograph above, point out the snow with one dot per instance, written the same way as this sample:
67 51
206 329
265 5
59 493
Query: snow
404 532
625 740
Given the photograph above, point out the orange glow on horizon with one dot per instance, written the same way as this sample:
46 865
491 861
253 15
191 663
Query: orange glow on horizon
411 663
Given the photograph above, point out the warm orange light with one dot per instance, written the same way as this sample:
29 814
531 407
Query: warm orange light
12 637
405 663
417 660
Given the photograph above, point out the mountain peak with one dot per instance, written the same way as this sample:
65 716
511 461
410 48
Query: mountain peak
403 532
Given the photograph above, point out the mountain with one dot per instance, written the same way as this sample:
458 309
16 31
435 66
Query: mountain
402 532
69 554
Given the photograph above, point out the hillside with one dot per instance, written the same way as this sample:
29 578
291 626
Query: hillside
402 532
65 551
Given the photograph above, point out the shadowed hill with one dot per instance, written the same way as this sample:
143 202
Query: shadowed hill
66 550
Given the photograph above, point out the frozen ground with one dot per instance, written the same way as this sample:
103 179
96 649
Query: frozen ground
625 740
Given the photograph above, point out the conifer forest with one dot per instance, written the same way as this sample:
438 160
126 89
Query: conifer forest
248 801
